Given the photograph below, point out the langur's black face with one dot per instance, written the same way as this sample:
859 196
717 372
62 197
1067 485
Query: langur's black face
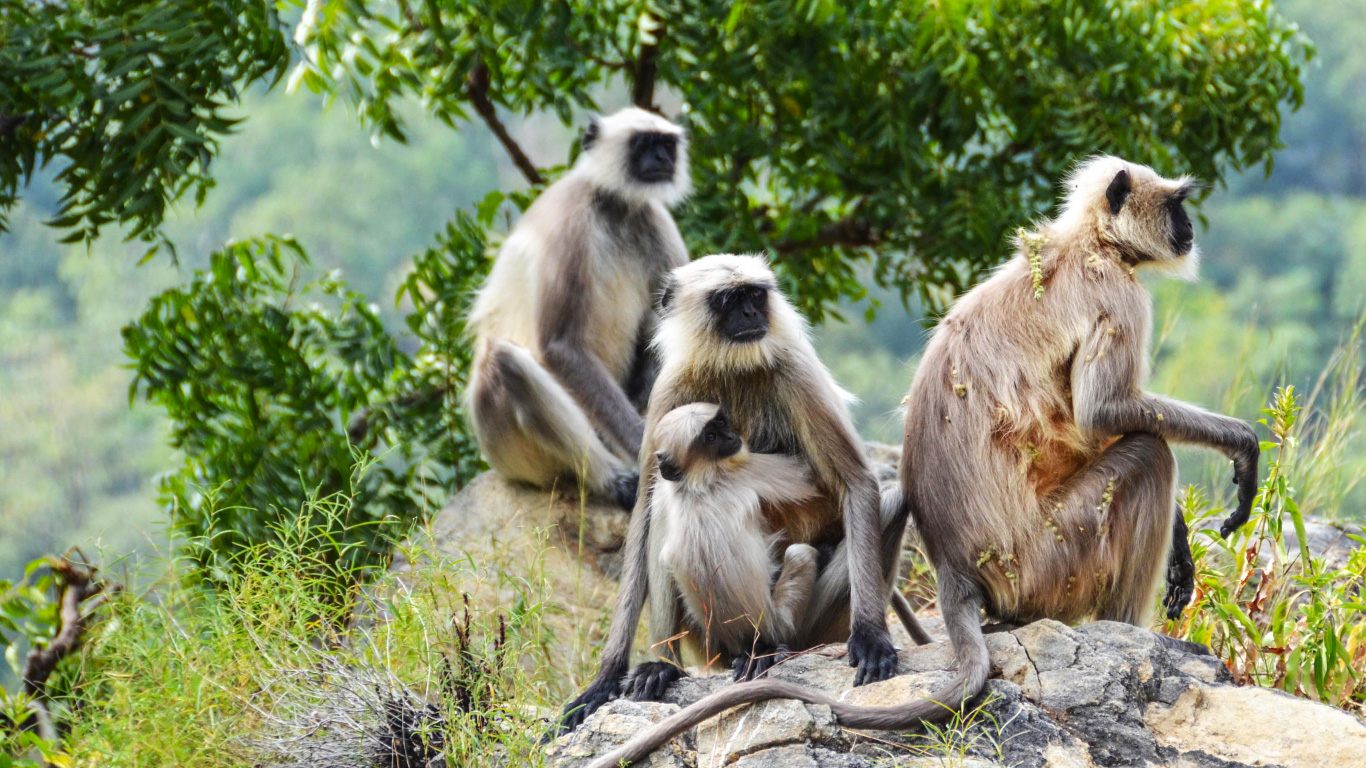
653 156
1182 233
717 440
741 313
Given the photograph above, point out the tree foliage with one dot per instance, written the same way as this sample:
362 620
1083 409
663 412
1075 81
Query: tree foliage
898 139
129 97
911 134
282 391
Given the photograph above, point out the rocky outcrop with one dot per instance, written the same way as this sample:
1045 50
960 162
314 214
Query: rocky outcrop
1103 694
1100 695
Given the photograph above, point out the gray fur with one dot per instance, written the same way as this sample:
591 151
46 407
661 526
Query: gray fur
1035 466
562 368
781 400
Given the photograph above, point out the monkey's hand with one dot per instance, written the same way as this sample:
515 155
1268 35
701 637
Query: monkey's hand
624 489
599 692
871 650
1245 455
1180 570
649 681
757 661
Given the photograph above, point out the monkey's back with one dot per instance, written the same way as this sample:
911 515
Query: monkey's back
990 428
613 253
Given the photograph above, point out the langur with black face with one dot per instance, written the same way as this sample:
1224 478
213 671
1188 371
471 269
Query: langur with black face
1036 467
729 337
562 368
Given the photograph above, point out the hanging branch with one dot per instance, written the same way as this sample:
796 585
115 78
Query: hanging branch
477 86
78 585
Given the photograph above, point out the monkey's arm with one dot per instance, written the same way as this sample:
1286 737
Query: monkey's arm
1108 401
650 680
631 594
779 478
561 331
837 455
644 371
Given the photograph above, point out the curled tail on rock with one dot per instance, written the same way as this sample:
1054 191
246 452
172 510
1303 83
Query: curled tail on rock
972 675
961 604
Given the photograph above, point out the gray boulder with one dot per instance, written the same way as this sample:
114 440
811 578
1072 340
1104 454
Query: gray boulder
1104 694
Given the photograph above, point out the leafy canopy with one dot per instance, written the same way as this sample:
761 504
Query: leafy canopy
129 96
902 138
914 135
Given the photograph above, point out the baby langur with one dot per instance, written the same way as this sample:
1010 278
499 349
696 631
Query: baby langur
1036 467
562 367
716 549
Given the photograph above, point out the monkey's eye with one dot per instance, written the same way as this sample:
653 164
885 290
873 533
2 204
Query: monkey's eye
711 437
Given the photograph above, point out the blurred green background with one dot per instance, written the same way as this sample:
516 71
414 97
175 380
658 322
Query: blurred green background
1283 281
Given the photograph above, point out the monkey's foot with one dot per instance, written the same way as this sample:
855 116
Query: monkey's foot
871 650
756 662
624 488
1180 579
1184 645
599 692
649 681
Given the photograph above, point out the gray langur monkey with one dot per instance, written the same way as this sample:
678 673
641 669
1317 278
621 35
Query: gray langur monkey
1037 469
712 548
562 368
728 336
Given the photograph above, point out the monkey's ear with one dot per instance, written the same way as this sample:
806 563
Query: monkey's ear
1118 191
666 293
590 135
668 469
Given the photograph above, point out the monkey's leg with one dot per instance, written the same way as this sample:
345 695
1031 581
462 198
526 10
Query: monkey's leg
650 680
830 600
1115 516
791 592
531 430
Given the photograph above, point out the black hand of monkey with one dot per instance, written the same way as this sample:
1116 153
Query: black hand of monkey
1180 569
599 692
624 489
650 681
1245 458
872 652
756 662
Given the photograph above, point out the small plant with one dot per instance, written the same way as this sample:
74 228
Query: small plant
1277 619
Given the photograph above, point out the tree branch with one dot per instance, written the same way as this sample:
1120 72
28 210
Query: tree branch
644 72
477 86
78 584
853 232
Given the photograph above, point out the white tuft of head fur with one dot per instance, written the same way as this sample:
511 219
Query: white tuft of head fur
686 331
1137 226
605 163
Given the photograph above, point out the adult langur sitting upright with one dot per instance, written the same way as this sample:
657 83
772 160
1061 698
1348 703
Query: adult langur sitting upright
562 367
729 337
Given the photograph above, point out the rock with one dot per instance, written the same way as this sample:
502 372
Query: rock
1249 725
614 723
1096 696
503 537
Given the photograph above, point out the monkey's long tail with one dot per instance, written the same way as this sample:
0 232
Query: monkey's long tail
972 675
908 619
